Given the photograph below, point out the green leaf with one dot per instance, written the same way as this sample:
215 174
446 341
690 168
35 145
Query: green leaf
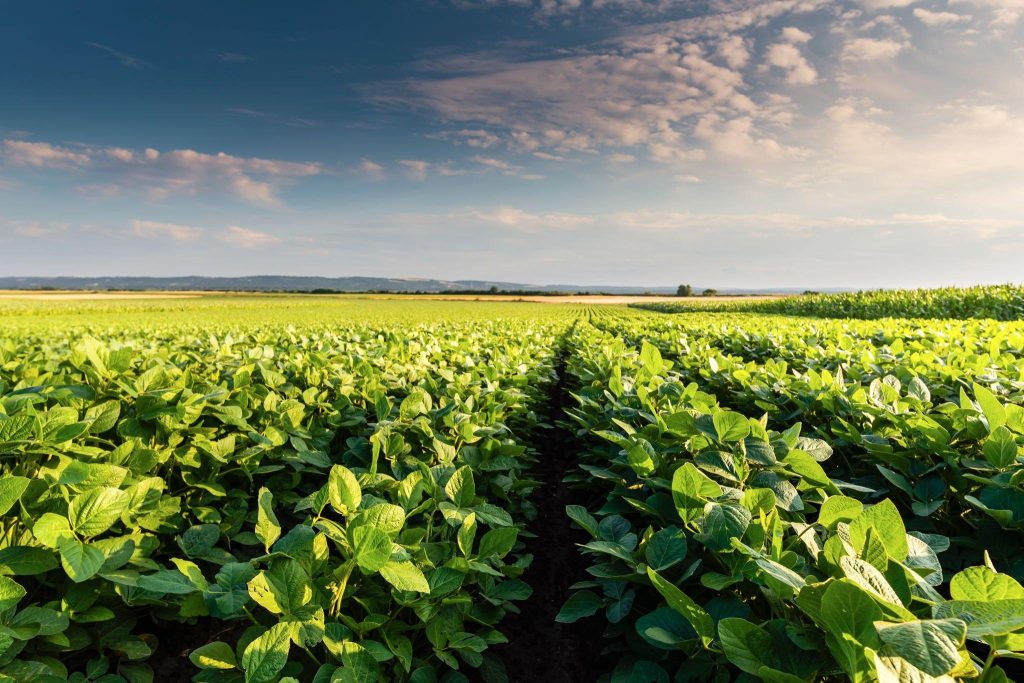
723 522
166 581
93 512
746 645
24 560
343 490
371 548
199 540
1000 447
268 529
837 509
461 489
885 519
931 645
730 426
50 528
651 358
984 618
580 604
665 549
11 488
584 519
467 534
215 655
405 576
993 410
982 583
80 561
11 592
264 657
498 542
284 589
699 619
691 489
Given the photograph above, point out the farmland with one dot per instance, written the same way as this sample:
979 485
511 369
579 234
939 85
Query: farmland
260 489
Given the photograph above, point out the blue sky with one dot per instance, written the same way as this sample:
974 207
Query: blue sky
643 142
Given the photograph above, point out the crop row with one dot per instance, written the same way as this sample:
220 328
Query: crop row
729 543
283 505
1001 302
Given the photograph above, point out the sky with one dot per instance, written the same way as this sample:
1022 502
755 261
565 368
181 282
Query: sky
729 143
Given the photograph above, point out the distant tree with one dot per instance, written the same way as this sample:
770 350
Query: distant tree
493 289
684 290
709 292
810 292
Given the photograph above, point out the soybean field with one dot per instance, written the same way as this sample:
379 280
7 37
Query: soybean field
262 489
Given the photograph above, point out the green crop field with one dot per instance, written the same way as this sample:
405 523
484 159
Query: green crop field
338 489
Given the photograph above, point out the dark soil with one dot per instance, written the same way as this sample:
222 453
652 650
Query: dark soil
539 648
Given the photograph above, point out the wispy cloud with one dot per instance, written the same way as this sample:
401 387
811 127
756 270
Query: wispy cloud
43 155
293 121
234 57
125 59
172 231
245 238
163 174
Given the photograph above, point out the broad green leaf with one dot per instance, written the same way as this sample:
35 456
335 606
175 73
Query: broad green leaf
405 576
11 592
11 488
721 523
691 489
215 655
931 645
265 656
344 492
984 618
981 583
993 410
580 604
371 548
461 489
839 509
284 588
699 619
746 645
93 512
497 542
80 561
1000 447
166 581
665 549
730 426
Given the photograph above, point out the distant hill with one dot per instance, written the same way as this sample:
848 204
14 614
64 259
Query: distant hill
288 283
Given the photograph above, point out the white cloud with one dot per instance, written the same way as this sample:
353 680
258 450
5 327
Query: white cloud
42 155
791 34
788 58
371 169
930 18
518 219
418 169
733 49
871 49
245 238
163 174
172 231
